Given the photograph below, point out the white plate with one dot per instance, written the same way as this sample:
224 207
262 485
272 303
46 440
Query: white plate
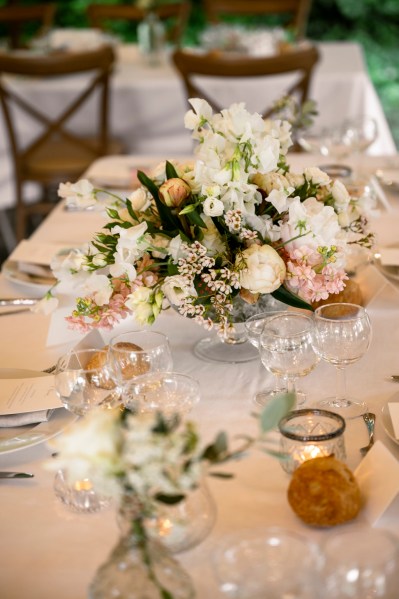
387 423
390 271
11 272
16 438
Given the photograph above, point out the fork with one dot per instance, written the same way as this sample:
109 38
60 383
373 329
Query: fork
369 419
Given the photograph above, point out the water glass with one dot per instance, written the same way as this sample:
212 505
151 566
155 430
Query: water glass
167 392
361 563
308 434
272 563
136 353
83 381
79 496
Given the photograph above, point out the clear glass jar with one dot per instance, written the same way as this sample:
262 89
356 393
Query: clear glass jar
311 433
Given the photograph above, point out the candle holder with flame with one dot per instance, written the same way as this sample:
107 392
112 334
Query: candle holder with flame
311 433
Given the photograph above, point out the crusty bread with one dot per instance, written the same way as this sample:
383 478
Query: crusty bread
324 492
129 371
98 361
351 294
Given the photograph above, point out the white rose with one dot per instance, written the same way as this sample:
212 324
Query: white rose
140 200
265 270
213 207
176 289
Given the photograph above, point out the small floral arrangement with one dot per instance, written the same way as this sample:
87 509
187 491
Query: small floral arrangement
145 460
234 222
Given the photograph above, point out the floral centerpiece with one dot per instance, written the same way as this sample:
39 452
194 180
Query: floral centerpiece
143 461
235 222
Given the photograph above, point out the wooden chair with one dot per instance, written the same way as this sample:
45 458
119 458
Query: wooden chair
16 20
297 11
100 15
193 66
56 154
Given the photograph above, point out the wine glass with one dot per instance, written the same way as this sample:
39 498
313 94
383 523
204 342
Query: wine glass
342 337
359 133
136 353
270 562
167 392
254 327
286 346
361 563
83 381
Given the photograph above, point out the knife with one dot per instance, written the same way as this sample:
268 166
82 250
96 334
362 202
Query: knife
18 301
16 475
394 377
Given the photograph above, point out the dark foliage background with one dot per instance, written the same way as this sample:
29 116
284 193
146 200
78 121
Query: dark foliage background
372 23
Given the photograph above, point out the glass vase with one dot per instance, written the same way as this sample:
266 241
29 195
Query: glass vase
234 346
151 38
140 567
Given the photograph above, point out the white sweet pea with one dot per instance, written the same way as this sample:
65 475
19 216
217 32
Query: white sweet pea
202 110
213 207
279 198
340 195
80 194
316 176
175 248
176 289
100 287
46 305
123 266
265 269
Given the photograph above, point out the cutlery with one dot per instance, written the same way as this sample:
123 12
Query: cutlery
18 301
16 475
369 419
394 377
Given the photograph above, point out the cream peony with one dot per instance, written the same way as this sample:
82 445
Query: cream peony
265 270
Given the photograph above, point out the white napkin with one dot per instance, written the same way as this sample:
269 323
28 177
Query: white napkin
11 420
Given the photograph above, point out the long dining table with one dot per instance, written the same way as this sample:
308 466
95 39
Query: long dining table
47 551
148 103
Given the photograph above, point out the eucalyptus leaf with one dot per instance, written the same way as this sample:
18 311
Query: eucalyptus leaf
274 411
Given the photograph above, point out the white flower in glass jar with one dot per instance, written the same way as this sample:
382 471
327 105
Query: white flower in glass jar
264 271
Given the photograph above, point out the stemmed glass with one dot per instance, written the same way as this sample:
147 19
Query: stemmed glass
286 346
359 134
136 353
342 337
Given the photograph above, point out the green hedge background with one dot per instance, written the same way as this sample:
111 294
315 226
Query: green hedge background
372 23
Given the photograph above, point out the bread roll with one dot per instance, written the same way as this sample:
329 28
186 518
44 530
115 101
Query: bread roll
130 370
351 294
98 360
324 492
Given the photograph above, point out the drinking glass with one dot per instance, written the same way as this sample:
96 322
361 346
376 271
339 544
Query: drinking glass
359 133
286 346
167 392
79 496
84 381
136 353
254 327
342 337
272 563
361 563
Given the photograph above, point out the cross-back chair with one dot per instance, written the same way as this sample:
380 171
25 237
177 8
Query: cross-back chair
15 20
296 10
193 66
57 153
100 15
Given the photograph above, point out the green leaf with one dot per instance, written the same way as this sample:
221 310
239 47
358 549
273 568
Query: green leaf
130 210
170 171
189 208
217 449
169 499
195 218
283 295
274 411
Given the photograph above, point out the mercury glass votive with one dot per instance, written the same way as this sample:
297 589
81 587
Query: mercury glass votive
311 433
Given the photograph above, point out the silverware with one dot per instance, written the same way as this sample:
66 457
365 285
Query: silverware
394 377
18 301
16 475
369 419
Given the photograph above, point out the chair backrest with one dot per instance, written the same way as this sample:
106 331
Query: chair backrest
100 15
97 64
15 20
192 66
297 10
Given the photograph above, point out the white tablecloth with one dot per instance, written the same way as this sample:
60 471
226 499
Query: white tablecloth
148 103
47 551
